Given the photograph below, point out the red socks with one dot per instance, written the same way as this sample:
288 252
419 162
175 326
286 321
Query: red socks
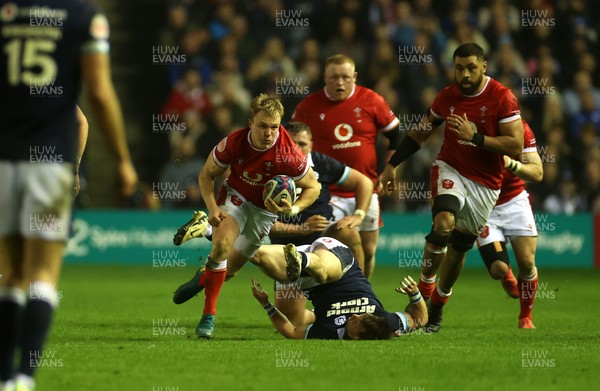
213 281
527 290
426 285
437 299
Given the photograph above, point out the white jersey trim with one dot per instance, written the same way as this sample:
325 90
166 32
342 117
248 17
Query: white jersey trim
510 119
395 122
483 89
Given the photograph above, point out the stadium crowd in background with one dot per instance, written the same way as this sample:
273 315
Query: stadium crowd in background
545 51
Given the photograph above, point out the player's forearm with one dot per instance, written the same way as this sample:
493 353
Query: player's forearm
280 322
108 113
504 145
207 190
308 196
82 131
528 168
418 311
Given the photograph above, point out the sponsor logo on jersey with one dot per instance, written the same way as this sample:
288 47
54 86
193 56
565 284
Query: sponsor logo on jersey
340 320
322 116
247 177
343 132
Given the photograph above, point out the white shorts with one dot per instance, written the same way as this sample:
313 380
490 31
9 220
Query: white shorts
476 200
343 206
255 223
36 199
511 219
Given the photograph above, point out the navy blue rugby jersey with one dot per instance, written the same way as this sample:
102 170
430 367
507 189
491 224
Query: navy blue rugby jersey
335 302
328 172
42 44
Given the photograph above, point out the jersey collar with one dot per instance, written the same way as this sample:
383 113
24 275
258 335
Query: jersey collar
483 89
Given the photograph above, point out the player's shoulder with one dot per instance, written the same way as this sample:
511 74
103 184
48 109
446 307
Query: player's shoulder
321 159
497 89
367 94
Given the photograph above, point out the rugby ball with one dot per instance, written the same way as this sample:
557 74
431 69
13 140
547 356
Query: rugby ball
280 187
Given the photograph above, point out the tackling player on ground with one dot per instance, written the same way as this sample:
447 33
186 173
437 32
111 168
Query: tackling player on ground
345 304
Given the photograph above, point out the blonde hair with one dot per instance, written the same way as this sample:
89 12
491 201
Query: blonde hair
270 105
339 59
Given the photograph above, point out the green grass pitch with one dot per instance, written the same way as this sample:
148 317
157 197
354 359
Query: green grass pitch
117 329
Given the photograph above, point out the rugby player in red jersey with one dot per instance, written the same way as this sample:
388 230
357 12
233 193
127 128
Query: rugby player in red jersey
482 123
346 119
513 218
240 220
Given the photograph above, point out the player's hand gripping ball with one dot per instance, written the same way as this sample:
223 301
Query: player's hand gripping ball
280 187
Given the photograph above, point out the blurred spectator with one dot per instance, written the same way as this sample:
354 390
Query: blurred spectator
178 186
582 82
588 114
188 95
347 41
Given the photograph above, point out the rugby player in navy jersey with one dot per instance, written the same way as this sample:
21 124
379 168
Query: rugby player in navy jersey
345 305
49 50
317 220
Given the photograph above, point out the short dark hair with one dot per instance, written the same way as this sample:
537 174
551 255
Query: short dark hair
469 49
298 127
375 327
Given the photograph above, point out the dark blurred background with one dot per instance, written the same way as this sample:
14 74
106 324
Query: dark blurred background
185 72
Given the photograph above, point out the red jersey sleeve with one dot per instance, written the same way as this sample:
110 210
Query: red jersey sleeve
385 119
529 144
508 109
222 152
435 108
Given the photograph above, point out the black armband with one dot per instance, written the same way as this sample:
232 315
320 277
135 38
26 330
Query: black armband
437 121
478 139
394 136
407 147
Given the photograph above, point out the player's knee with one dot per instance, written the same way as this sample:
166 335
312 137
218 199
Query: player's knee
495 257
220 249
462 242
498 270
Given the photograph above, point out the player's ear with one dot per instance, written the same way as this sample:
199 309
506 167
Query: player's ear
484 66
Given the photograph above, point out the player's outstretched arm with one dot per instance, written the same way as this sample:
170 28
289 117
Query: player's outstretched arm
529 167
416 310
310 190
281 323
362 187
96 76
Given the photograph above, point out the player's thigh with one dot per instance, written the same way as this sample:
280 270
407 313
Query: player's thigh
10 199
11 260
327 262
42 259
47 200
253 234
479 204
